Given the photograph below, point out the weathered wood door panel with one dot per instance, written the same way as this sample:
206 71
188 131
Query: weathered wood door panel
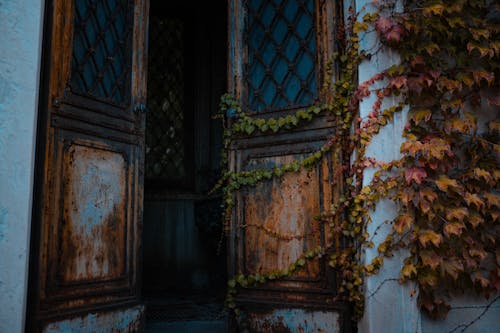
278 54
88 210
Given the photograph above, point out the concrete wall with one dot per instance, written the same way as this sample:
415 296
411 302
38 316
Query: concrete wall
390 306
20 42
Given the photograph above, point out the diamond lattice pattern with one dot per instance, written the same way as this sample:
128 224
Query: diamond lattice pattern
281 69
102 37
165 148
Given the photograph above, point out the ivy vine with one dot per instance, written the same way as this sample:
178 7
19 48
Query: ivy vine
446 182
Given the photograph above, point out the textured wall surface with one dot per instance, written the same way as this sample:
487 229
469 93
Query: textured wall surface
20 40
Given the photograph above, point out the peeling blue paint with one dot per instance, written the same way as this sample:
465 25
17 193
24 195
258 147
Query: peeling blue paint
3 222
295 321
122 321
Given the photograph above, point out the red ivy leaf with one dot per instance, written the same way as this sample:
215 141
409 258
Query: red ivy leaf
383 24
415 174
394 34
398 82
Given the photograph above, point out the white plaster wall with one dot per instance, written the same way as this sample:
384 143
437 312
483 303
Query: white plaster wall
390 306
20 42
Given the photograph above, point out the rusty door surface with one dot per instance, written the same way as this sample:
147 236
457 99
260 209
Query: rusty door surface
278 52
88 203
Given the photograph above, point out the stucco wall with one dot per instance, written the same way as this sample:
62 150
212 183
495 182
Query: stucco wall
20 40
390 306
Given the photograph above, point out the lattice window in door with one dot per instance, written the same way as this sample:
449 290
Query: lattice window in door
281 49
165 141
100 64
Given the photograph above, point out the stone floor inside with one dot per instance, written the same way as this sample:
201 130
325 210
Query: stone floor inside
189 314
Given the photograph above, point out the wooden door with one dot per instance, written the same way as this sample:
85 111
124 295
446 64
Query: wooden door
278 52
88 203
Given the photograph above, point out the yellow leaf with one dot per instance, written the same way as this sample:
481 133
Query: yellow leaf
434 9
420 115
408 270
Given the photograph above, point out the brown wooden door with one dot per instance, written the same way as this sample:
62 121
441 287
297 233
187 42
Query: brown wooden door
278 53
88 204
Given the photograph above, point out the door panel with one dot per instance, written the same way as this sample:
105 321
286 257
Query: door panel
278 219
88 224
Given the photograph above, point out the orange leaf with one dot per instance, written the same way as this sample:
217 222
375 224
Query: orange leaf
454 228
457 214
403 222
429 236
473 199
431 259
427 197
475 220
484 282
428 194
481 173
478 252
443 183
492 199
452 267
483 75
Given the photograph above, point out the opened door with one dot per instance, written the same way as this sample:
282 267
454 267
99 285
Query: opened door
278 54
88 203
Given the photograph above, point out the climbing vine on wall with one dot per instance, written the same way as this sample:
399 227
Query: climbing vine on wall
445 183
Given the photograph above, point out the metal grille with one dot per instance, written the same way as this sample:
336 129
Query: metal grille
281 46
165 148
100 64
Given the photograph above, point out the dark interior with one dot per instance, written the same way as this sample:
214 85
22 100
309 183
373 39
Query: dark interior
184 261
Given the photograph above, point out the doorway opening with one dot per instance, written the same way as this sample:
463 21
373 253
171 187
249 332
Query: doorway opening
184 264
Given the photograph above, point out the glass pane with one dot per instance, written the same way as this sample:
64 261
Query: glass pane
100 63
281 68
165 146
